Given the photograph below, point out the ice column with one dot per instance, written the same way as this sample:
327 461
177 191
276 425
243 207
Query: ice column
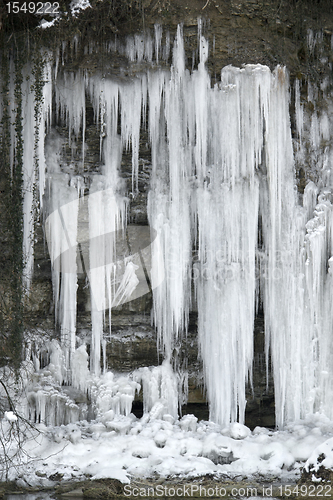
169 198
318 315
61 231
227 213
281 276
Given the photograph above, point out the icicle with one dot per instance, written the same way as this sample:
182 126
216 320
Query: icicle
97 260
226 287
132 100
104 355
166 48
158 39
311 40
299 112
282 278
148 46
69 109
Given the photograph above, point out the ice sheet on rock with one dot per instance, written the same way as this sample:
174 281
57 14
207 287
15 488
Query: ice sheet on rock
56 366
314 123
318 296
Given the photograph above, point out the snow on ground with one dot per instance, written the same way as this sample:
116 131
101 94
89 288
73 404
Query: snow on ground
128 447
76 7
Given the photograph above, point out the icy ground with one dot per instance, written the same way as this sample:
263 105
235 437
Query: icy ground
128 447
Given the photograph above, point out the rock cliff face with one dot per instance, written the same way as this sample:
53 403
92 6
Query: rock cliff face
295 34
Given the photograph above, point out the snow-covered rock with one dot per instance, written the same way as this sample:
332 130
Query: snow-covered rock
319 466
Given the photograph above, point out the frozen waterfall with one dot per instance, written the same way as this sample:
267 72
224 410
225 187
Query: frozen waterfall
231 232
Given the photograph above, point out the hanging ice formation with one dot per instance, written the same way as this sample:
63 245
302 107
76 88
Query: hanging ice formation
212 158
222 174
234 166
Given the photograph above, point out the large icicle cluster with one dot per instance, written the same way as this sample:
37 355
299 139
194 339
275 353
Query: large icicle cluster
219 146
223 211
228 154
